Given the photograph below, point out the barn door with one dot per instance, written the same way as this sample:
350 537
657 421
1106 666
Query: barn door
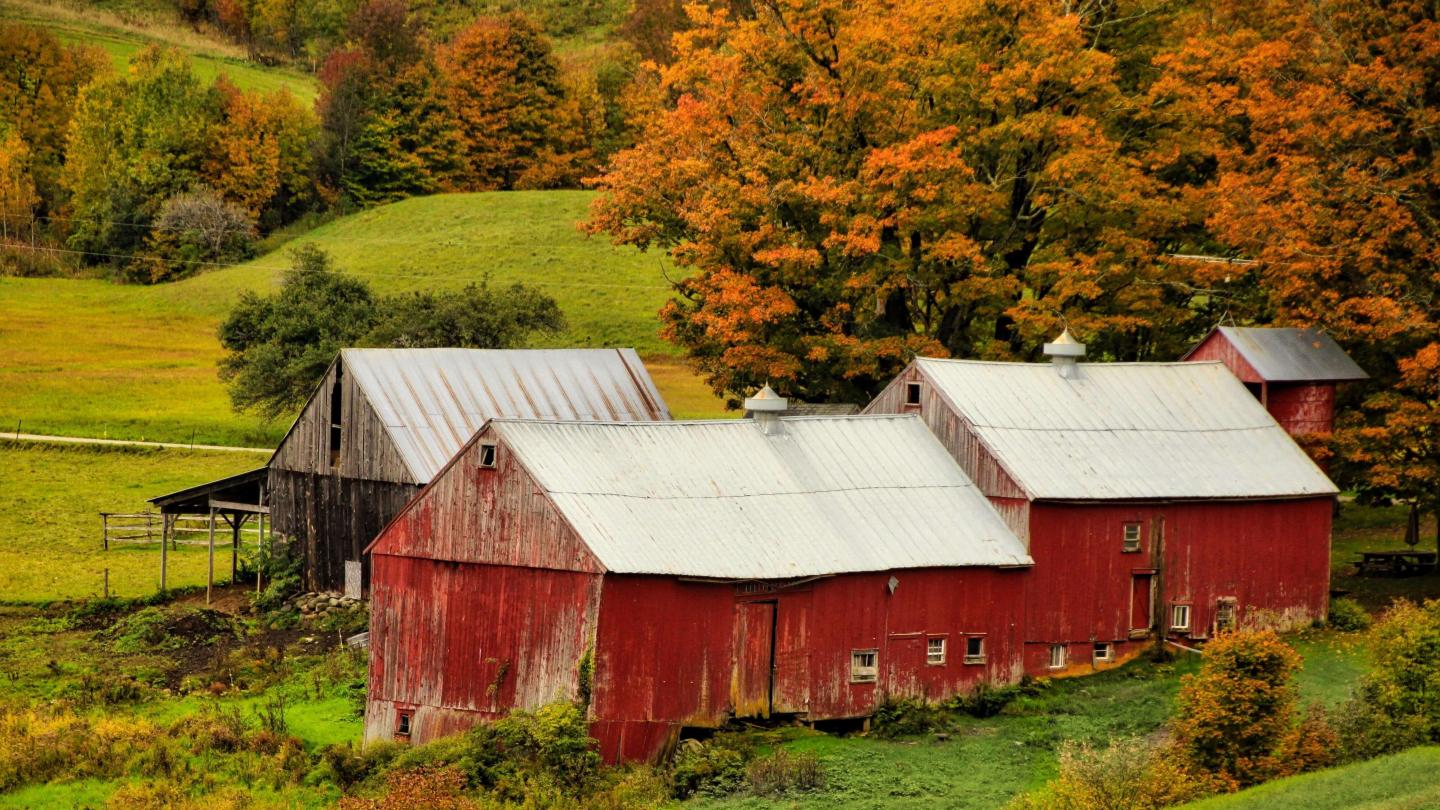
754 675
1142 603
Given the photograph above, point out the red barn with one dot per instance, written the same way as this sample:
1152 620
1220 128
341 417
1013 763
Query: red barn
1155 498
683 573
1293 372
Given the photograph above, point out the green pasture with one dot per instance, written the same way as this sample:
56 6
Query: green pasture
1404 781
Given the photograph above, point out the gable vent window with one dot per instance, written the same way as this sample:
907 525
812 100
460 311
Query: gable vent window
1131 541
1057 656
487 456
337 410
1180 617
935 651
863 666
912 394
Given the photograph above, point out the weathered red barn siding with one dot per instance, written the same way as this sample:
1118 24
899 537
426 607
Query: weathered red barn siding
666 649
457 643
1082 588
959 437
1302 408
1217 347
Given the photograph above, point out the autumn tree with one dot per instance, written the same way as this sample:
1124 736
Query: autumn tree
504 88
261 153
198 229
850 184
18 197
39 81
1322 124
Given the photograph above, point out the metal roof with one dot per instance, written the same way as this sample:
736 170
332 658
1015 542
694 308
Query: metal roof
1292 355
432 401
821 495
1127 430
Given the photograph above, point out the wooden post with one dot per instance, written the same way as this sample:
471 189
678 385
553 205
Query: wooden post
105 530
210 570
259 552
164 546
107 583
235 523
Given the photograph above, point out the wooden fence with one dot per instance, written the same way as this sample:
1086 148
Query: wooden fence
137 528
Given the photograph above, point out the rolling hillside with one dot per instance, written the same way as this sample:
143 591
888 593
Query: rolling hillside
86 357
121 37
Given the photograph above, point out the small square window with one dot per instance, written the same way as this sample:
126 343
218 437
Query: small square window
1225 614
1180 617
1057 656
863 667
935 651
975 650
487 456
912 393
1132 537
1104 651
402 724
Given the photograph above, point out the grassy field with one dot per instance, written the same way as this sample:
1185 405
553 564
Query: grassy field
121 36
1404 781
84 357
50 526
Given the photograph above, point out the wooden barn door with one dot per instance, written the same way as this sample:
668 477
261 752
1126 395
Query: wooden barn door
1142 603
754 655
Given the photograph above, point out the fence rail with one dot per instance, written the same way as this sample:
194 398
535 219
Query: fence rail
149 527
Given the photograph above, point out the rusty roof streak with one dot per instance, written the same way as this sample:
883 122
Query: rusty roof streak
724 499
433 400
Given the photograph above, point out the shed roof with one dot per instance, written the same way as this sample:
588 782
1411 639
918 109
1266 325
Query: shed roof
431 401
723 499
1291 355
1127 431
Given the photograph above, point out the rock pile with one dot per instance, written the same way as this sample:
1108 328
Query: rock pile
325 603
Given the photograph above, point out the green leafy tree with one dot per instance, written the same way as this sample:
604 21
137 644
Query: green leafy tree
278 346
136 140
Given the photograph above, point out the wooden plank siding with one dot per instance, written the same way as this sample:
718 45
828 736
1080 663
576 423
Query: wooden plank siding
332 518
366 449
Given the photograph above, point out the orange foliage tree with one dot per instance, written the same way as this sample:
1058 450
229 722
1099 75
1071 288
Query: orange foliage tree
850 184
1322 121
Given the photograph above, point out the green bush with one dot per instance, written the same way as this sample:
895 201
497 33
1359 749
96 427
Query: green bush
1132 774
988 701
1347 615
280 565
906 717
713 768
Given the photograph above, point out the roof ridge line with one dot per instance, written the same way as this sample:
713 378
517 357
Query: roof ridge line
916 487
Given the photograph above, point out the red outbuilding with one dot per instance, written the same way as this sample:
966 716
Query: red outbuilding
1158 500
1293 372
677 574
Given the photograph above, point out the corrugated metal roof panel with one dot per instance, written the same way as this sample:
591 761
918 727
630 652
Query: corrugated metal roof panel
433 400
1293 355
723 499
1127 430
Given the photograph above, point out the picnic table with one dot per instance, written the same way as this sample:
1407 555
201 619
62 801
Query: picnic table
1396 563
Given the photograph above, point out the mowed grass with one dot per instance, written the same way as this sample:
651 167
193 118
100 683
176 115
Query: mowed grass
123 37
50 542
85 357
1404 781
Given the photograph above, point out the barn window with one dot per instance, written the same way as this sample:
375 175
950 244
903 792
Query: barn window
1057 656
1104 651
863 668
935 651
1225 614
1131 537
337 410
1180 617
402 724
487 456
912 393
975 650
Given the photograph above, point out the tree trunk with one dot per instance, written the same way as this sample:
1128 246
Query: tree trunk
1412 526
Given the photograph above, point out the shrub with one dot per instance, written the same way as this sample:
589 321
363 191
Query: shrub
1310 745
1347 615
1130 774
1405 679
427 788
347 765
280 565
713 768
1232 715
783 772
39 747
989 701
906 717
197 229
1365 731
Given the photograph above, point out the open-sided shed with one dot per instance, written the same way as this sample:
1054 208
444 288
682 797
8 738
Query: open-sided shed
680 573
382 422
1157 499
1293 372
